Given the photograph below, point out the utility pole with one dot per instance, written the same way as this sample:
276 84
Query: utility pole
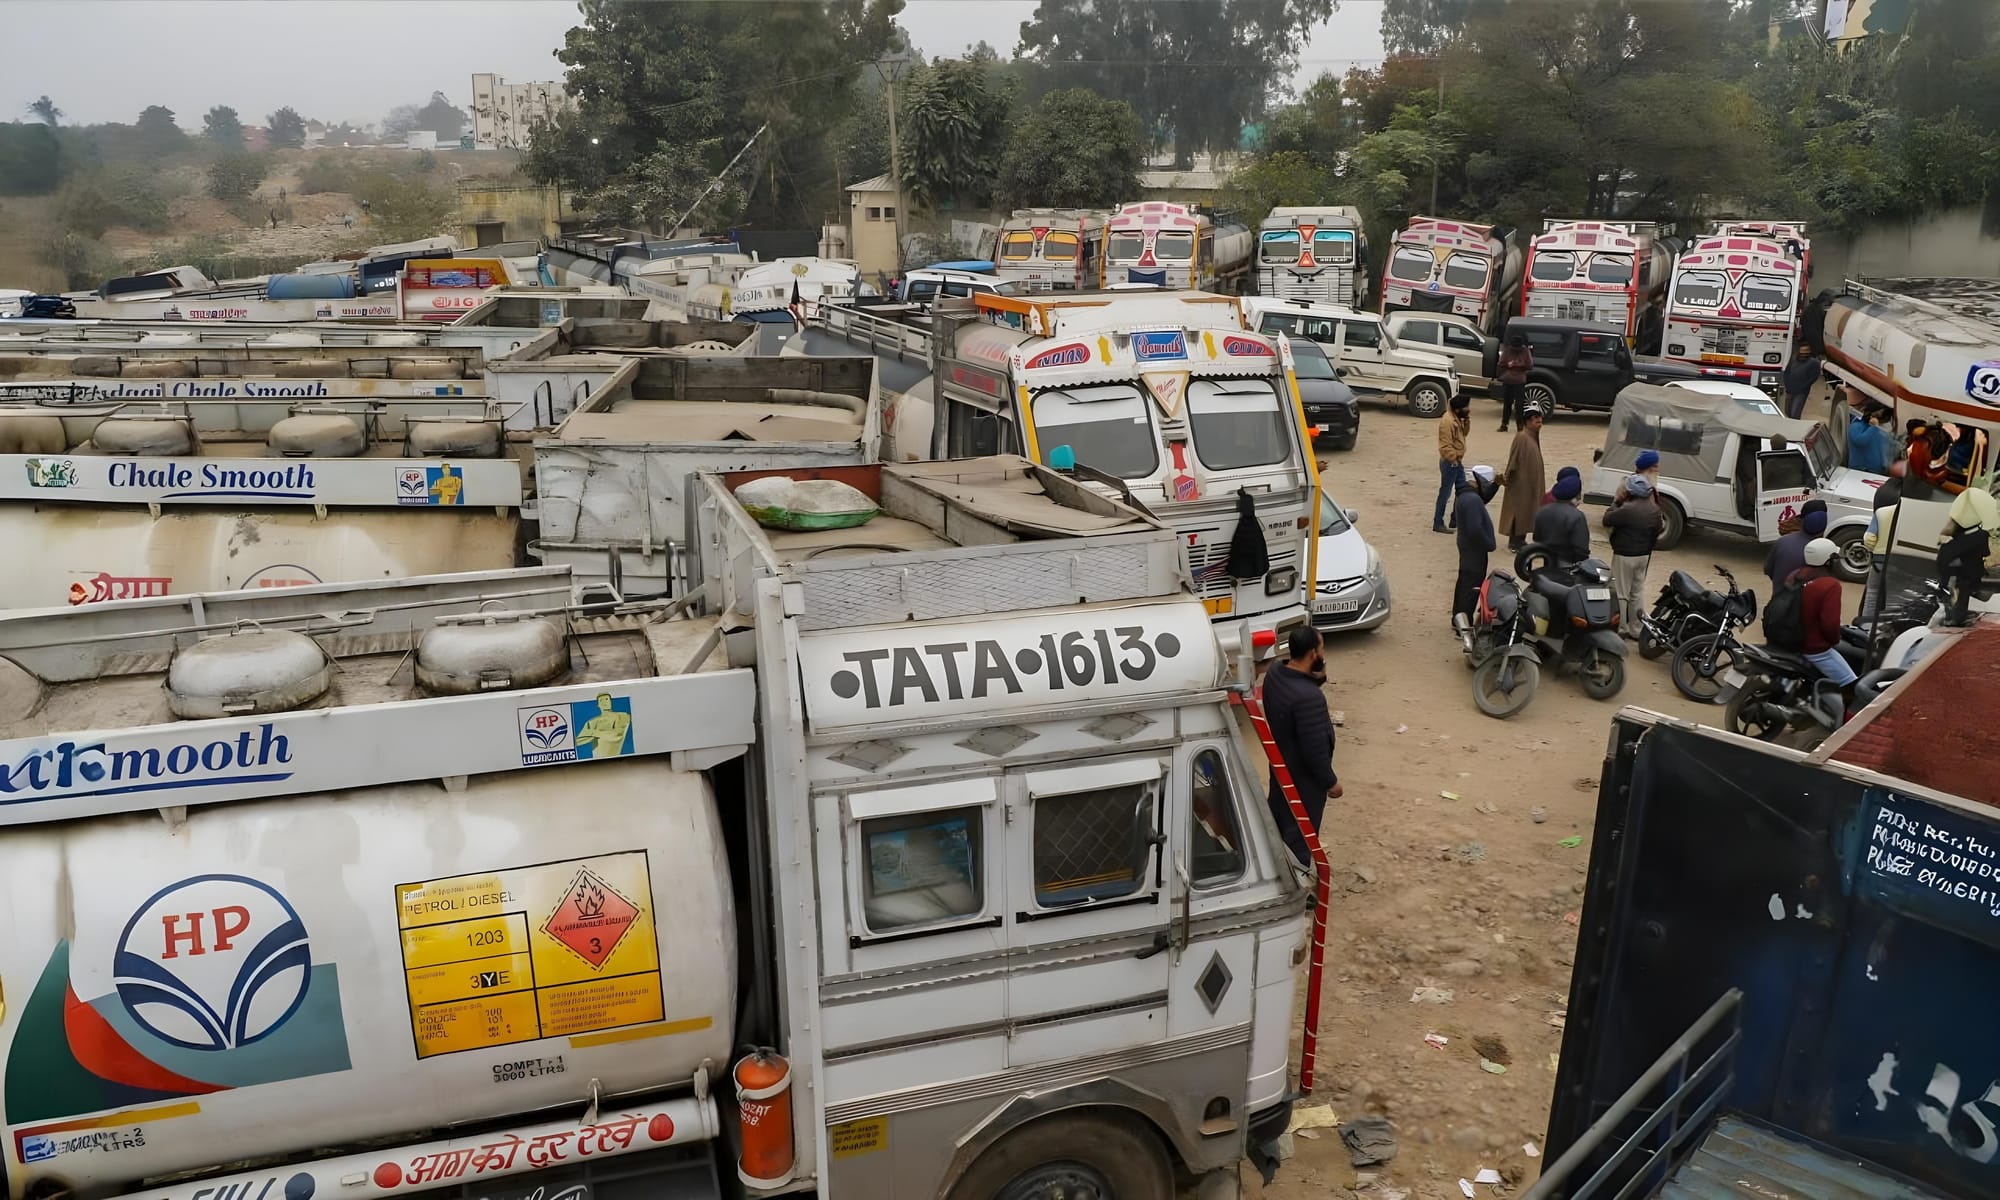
894 64
1434 156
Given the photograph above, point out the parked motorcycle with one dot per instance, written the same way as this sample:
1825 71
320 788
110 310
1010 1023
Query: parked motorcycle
1575 623
1505 668
1687 608
1779 696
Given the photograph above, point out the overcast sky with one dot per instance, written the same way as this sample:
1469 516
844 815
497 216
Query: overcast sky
353 60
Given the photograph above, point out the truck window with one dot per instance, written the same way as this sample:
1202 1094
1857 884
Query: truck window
1060 247
1333 246
1215 839
1279 247
1173 245
1553 266
1108 426
923 869
1766 293
1125 246
1610 268
1411 263
1017 247
1236 423
1701 289
1465 271
1093 845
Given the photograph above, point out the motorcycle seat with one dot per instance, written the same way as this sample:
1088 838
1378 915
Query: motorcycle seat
1687 587
1788 660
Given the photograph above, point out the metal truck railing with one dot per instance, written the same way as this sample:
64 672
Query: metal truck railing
1691 1097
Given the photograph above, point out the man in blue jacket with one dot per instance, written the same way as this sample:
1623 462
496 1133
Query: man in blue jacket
1303 729
1475 537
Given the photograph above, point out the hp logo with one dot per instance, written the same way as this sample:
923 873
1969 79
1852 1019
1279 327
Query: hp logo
213 963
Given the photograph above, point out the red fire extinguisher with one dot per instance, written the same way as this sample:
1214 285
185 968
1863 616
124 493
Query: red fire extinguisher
764 1109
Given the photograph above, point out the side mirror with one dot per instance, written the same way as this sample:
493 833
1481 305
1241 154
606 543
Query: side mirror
1353 517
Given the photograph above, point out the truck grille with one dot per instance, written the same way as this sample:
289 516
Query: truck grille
1208 567
1329 287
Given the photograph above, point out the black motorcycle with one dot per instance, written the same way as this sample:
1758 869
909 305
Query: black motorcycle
1498 642
1574 614
1778 696
1687 608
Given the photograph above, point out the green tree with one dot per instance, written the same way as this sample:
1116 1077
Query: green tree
288 129
30 159
404 209
223 127
157 134
441 117
44 110
1422 27
1195 72
698 79
953 129
1073 149
235 175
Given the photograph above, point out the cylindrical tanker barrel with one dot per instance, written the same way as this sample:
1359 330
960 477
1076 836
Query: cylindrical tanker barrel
273 977
1232 249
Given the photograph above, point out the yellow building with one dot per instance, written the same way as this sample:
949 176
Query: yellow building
492 211
872 208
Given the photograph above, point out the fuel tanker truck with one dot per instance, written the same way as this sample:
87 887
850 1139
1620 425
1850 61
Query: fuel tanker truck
911 854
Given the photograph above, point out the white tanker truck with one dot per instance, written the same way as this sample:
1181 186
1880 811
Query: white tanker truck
455 886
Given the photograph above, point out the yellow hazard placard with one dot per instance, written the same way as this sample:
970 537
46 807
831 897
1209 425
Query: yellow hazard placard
850 1138
530 952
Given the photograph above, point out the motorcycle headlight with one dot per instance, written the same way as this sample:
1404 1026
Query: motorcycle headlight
1277 583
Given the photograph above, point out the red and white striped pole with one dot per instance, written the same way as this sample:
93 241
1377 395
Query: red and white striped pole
1322 891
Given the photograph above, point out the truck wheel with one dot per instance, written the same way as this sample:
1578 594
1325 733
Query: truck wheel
1540 395
1851 564
1427 398
1071 1158
1673 527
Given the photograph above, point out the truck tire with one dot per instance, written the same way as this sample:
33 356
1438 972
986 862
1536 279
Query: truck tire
1427 397
1851 564
1673 527
1071 1158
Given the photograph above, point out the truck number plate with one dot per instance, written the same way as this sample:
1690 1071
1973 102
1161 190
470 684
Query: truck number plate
1597 593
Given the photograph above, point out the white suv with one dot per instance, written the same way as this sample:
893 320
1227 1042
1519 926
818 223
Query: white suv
1364 352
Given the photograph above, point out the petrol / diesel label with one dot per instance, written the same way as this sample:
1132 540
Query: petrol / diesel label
530 952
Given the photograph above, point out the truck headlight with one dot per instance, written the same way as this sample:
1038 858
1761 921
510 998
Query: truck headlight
1677 349
1278 582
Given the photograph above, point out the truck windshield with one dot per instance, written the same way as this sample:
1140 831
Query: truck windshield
1465 271
1411 263
1173 245
1060 247
1236 423
1125 246
1553 266
1333 246
1279 247
1766 293
1610 268
1701 289
1108 426
1017 247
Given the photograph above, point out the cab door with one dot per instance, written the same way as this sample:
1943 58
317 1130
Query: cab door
1784 483
1091 894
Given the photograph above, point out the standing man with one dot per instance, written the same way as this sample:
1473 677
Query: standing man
1452 428
1633 524
1867 445
1800 377
1516 360
1961 560
1880 537
1560 524
1475 536
1295 708
1525 480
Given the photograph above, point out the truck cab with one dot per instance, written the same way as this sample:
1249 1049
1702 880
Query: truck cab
1784 960
1369 357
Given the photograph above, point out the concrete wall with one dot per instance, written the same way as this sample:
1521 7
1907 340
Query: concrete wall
1954 243
527 211
872 240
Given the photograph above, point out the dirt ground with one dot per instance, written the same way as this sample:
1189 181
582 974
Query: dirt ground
1455 899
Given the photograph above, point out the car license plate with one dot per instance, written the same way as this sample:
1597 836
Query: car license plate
1333 608
1732 679
1219 608
1597 593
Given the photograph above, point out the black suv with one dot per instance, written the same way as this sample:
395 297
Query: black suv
1330 404
1585 364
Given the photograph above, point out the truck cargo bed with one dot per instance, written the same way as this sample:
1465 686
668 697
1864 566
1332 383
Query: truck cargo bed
1739 1159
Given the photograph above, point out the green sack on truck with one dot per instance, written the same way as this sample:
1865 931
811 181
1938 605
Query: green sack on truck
776 502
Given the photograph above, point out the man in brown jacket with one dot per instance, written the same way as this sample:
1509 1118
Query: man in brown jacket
1452 428
1525 480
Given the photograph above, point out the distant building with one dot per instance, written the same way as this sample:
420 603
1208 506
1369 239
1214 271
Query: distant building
503 113
871 225
421 139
